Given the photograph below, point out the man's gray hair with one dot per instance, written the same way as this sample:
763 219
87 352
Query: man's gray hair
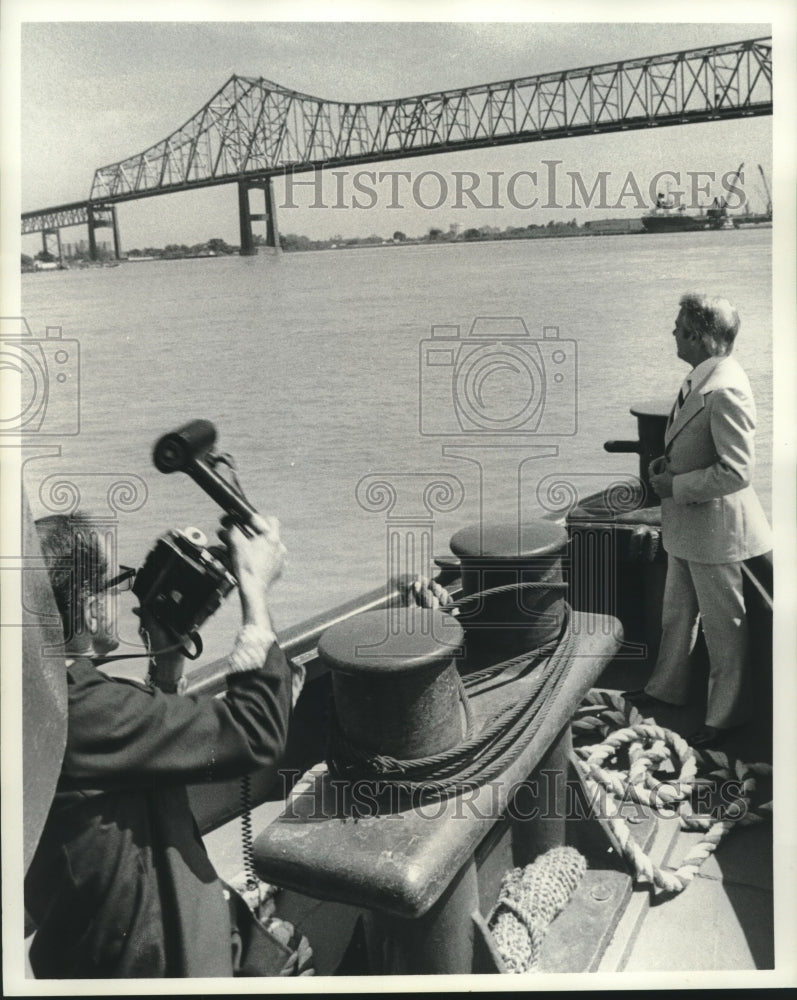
714 320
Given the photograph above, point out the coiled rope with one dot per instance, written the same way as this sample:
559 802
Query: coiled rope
528 901
530 897
650 749
480 756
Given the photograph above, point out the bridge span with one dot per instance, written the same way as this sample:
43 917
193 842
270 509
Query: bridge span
252 130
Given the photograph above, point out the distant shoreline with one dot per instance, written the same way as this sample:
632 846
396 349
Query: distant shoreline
557 231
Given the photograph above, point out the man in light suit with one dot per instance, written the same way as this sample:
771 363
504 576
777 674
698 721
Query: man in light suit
711 520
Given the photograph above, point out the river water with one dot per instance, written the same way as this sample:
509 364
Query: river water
314 368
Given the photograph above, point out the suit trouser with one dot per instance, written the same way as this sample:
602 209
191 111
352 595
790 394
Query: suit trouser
711 593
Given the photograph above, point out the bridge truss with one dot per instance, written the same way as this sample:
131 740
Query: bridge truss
50 222
50 219
253 128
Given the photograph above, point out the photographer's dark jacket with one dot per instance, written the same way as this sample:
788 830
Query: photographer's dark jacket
121 885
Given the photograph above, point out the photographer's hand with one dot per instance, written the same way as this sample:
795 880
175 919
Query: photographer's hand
257 563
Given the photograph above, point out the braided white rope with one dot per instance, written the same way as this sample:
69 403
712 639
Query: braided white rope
649 747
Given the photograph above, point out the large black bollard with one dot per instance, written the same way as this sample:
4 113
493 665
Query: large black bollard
514 575
396 695
400 696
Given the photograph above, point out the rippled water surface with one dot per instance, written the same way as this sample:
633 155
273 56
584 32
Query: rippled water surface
314 368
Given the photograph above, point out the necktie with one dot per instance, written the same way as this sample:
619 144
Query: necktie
683 392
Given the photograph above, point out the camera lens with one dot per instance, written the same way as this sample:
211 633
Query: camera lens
173 452
169 455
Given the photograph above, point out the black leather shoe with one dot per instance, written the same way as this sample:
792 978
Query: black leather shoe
640 698
708 737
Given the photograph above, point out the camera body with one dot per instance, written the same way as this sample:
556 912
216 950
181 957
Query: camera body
497 380
182 582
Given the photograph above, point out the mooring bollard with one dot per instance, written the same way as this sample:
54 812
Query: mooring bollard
651 424
383 824
399 695
513 573
396 694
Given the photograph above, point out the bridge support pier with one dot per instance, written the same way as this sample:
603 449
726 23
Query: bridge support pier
92 237
95 223
117 248
45 246
246 217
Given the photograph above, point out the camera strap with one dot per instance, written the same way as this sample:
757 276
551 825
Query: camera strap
196 639
98 661
180 646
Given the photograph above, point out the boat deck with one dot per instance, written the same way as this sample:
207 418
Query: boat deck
722 921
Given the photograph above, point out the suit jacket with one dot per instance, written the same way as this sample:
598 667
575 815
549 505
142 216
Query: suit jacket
714 515
120 885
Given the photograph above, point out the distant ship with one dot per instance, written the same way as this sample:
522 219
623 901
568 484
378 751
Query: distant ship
669 217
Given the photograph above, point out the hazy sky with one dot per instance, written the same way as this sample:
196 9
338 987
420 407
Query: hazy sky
93 93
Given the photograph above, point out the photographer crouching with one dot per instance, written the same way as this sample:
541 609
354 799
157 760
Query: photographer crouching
121 884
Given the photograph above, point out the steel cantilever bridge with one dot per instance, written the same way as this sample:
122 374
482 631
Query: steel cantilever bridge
253 130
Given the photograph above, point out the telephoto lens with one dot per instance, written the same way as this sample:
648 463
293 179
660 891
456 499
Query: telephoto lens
174 452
